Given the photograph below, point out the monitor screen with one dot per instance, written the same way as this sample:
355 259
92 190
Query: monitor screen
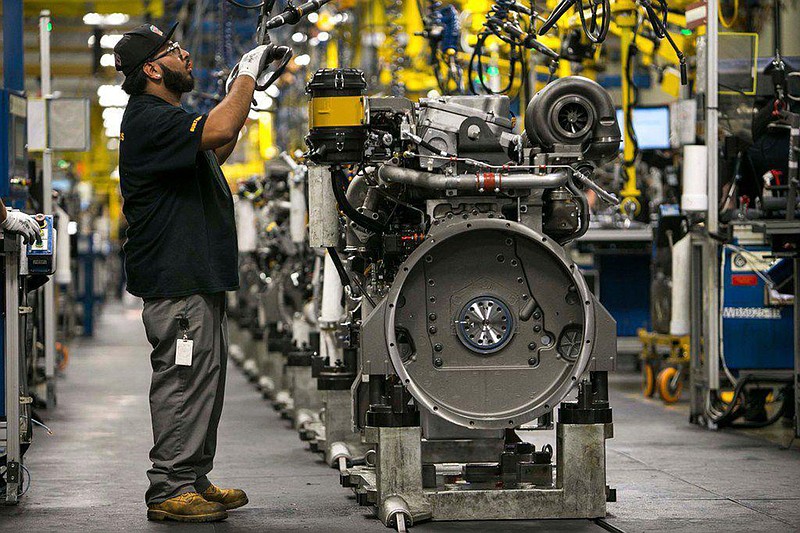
651 125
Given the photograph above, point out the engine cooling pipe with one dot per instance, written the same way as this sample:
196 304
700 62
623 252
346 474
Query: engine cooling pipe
479 182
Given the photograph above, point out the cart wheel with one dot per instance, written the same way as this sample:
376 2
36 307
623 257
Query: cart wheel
669 384
648 379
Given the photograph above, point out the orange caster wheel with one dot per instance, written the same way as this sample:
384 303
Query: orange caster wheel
648 380
670 384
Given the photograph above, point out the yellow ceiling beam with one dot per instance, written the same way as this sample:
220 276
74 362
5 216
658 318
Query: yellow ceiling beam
78 8
68 71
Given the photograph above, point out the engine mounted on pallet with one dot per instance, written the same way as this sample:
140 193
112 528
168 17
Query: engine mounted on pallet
468 316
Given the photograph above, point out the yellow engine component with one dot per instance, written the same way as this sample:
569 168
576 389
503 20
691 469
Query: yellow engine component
336 111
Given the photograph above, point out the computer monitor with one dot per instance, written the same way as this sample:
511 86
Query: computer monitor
651 125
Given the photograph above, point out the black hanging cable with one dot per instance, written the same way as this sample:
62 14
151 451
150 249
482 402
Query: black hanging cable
633 98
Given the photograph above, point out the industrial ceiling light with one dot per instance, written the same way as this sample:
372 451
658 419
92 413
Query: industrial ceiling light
302 60
110 19
107 60
112 96
109 41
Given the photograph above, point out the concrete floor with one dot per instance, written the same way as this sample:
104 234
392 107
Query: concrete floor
90 475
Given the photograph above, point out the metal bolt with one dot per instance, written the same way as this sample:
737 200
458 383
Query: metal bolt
532 361
438 362
537 315
438 347
474 131
432 316
432 330
537 328
532 346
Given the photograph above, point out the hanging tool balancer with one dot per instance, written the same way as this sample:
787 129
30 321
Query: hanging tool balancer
291 15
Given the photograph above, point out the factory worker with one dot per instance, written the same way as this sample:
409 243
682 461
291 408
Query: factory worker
180 258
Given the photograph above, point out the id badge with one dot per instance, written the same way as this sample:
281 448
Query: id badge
183 352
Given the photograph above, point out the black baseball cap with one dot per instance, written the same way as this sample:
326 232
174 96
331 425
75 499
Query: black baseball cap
139 45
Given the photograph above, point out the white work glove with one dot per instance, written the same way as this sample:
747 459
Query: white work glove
250 65
22 224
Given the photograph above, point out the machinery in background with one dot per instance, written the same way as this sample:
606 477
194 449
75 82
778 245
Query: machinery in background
279 289
664 355
452 262
744 260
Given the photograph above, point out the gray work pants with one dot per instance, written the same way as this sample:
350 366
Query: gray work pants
185 401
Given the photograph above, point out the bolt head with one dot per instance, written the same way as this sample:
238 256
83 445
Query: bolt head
432 330
532 361
438 347
532 346
432 317
438 362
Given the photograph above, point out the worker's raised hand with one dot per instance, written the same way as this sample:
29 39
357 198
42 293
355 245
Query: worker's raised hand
253 62
22 224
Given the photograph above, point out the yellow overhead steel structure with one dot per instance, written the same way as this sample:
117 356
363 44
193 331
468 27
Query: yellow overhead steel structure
625 18
78 8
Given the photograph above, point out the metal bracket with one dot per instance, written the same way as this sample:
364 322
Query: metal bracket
12 472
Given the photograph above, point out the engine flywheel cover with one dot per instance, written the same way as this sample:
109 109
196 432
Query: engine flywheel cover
489 324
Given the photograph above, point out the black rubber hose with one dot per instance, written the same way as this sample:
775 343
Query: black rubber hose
732 414
755 425
347 281
338 181
337 262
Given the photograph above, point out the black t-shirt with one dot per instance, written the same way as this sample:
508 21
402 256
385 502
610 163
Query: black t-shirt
181 233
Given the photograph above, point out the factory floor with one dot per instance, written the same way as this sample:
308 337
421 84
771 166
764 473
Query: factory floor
90 474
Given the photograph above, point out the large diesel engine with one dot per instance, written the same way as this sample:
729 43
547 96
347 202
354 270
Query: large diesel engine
465 320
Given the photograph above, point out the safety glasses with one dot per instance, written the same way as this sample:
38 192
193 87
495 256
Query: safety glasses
171 48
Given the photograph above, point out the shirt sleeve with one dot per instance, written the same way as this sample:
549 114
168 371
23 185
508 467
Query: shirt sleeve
175 138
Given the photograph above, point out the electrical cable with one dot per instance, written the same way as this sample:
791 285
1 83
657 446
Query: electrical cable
27 478
496 22
733 410
633 96
595 31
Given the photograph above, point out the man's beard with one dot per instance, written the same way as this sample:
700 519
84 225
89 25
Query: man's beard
177 82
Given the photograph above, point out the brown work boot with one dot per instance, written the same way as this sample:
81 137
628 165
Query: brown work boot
188 507
230 498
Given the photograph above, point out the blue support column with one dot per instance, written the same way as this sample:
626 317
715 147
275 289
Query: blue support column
13 48
14 80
